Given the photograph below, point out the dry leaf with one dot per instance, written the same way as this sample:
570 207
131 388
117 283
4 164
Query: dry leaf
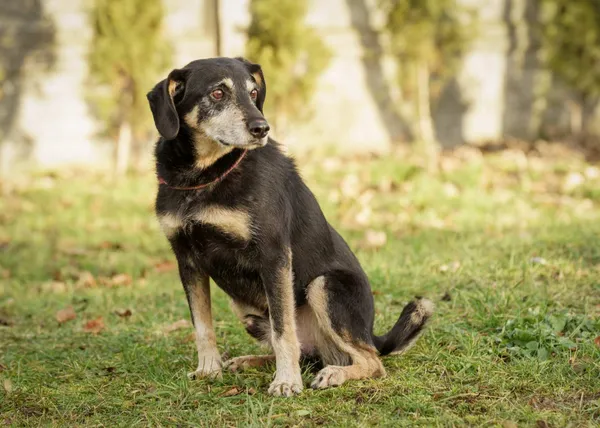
86 280
231 392
123 313
450 267
2 367
94 326
597 341
177 325
121 279
55 287
7 386
66 314
165 266
6 322
74 251
374 239
5 273
107 245
538 261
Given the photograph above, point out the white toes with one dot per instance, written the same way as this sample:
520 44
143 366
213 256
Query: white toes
329 376
284 389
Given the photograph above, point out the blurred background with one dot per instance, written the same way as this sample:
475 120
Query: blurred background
453 143
352 75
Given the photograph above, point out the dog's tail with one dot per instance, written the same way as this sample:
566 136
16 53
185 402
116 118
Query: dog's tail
407 329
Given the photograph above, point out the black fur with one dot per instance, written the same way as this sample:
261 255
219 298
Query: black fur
283 211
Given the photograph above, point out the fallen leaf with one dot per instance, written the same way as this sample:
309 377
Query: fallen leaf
66 314
8 387
597 341
2 367
54 287
123 313
251 391
6 322
5 273
541 424
121 279
538 261
509 424
177 325
302 412
450 267
231 392
107 245
374 239
94 326
165 266
86 280
74 251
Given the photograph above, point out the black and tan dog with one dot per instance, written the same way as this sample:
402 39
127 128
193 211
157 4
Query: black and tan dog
235 209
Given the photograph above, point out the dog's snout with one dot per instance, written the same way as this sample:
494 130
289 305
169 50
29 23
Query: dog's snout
259 128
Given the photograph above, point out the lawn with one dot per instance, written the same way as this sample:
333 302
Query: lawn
94 324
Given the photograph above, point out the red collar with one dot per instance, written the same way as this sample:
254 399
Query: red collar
202 186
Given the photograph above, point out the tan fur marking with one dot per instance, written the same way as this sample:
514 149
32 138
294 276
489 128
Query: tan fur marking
233 222
227 82
287 380
363 358
258 79
209 360
170 224
172 87
207 149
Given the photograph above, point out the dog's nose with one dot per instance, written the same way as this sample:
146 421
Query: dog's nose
259 128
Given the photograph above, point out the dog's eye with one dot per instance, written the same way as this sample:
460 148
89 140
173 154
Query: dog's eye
253 94
217 94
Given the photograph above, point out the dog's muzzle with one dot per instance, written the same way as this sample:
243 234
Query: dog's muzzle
258 128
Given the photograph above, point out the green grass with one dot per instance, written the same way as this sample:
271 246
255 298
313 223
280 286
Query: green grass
507 247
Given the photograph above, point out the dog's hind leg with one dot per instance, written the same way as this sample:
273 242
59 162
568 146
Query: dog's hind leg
344 315
247 361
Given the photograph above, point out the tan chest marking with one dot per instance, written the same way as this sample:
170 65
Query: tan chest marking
170 224
234 222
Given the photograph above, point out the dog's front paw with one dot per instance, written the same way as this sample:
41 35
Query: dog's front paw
286 386
208 367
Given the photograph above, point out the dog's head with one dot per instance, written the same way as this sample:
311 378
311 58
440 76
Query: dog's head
220 100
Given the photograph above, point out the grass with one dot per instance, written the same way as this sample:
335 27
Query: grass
506 245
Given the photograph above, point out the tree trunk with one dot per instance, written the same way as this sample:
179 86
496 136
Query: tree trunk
575 117
123 152
426 130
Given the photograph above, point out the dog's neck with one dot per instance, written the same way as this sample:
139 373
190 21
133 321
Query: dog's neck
182 163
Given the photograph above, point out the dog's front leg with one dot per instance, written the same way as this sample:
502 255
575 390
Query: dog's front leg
197 291
278 280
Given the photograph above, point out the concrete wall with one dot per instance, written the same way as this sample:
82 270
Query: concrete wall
501 90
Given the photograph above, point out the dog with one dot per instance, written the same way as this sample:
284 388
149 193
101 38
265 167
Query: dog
235 209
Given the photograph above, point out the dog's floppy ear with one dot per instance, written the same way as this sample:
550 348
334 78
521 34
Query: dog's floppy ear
256 72
163 99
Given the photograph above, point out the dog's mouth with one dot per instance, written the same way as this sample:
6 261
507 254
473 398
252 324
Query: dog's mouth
249 145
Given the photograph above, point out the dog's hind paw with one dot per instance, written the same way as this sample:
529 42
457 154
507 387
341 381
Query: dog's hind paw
199 374
247 361
329 376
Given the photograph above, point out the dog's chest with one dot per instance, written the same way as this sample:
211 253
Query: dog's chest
219 241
